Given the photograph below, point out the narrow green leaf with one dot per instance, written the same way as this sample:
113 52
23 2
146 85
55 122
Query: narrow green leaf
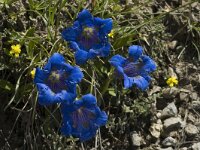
6 85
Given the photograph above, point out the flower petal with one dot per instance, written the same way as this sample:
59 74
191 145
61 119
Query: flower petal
135 51
141 82
149 64
74 46
56 59
47 97
40 75
66 109
105 25
89 100
102 117
117 60
76 75
81 57
92 54
66 129
71 33
147 77
104 51
128 82
85 17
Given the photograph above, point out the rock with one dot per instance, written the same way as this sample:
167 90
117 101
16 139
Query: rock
172 73
197 124
172 45
136 139
172 124
181 111
180 67
159 121
184 148
191 130
184 81
184 96
194 5
155 130
169 148
158 115
155 90
196 146
169 93
195 105
169 111
194 96
169 141
173 134
185 90
191 118
161 103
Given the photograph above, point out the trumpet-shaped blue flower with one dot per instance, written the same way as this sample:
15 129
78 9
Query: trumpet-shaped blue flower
135 68
88 36
82 118
56 82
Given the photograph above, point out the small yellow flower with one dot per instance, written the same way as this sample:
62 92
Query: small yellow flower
172 81
15 50
33 73
111 34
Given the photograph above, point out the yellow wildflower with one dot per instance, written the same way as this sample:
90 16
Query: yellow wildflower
33 73
172 81
15 50
111 34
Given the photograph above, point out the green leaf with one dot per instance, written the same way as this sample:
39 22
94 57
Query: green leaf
122 41
111 91
30 32
6 85
30 48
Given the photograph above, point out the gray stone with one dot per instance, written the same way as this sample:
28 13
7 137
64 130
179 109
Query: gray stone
173 44
169 93
191 118
173 134
169 141
184 96
196 105
172 73
172 124
158 115
196 146
169 148
196 6
194 96
169 111
161 103
184 148
185 90
155 90
136 139
197 124
155 130
181 111
167 133
191 130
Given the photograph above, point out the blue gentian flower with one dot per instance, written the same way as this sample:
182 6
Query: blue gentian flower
82 118
56 82
88 36
135 68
